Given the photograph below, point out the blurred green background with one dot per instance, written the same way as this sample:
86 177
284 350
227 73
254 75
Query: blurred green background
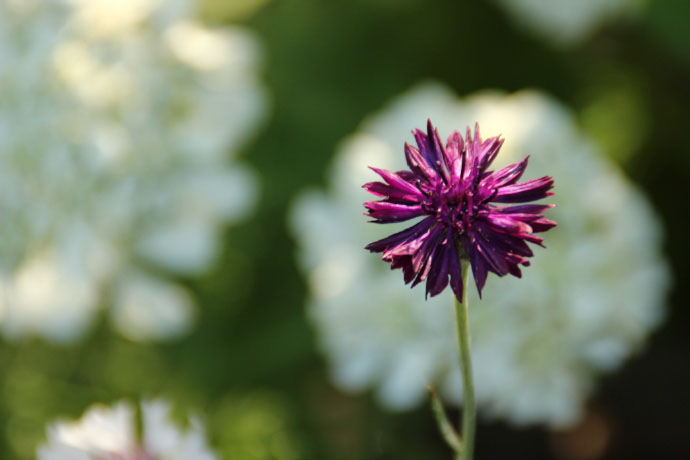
251 364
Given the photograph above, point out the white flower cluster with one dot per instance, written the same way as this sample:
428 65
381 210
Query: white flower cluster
111 434
586 303
116 121
566 22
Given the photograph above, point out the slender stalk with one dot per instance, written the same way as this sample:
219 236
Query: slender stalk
448 432
468 409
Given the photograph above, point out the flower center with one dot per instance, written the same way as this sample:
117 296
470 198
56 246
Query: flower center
455 210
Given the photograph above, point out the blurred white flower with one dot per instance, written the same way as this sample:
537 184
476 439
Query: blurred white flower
118 124
107 433
586 303
150 308
565 22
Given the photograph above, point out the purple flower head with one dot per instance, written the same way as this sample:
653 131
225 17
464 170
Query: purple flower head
453 191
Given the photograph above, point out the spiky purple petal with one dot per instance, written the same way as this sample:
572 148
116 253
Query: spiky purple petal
531 190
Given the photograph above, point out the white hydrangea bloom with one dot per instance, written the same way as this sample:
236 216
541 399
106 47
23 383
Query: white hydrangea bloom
116 122
566 22
586 303
106 433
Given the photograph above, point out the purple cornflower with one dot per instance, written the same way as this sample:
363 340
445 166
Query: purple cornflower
455 194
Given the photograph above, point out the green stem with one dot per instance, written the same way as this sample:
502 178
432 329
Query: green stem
451 436
468 410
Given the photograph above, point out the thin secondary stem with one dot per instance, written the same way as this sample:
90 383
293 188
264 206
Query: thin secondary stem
448 432
468 409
